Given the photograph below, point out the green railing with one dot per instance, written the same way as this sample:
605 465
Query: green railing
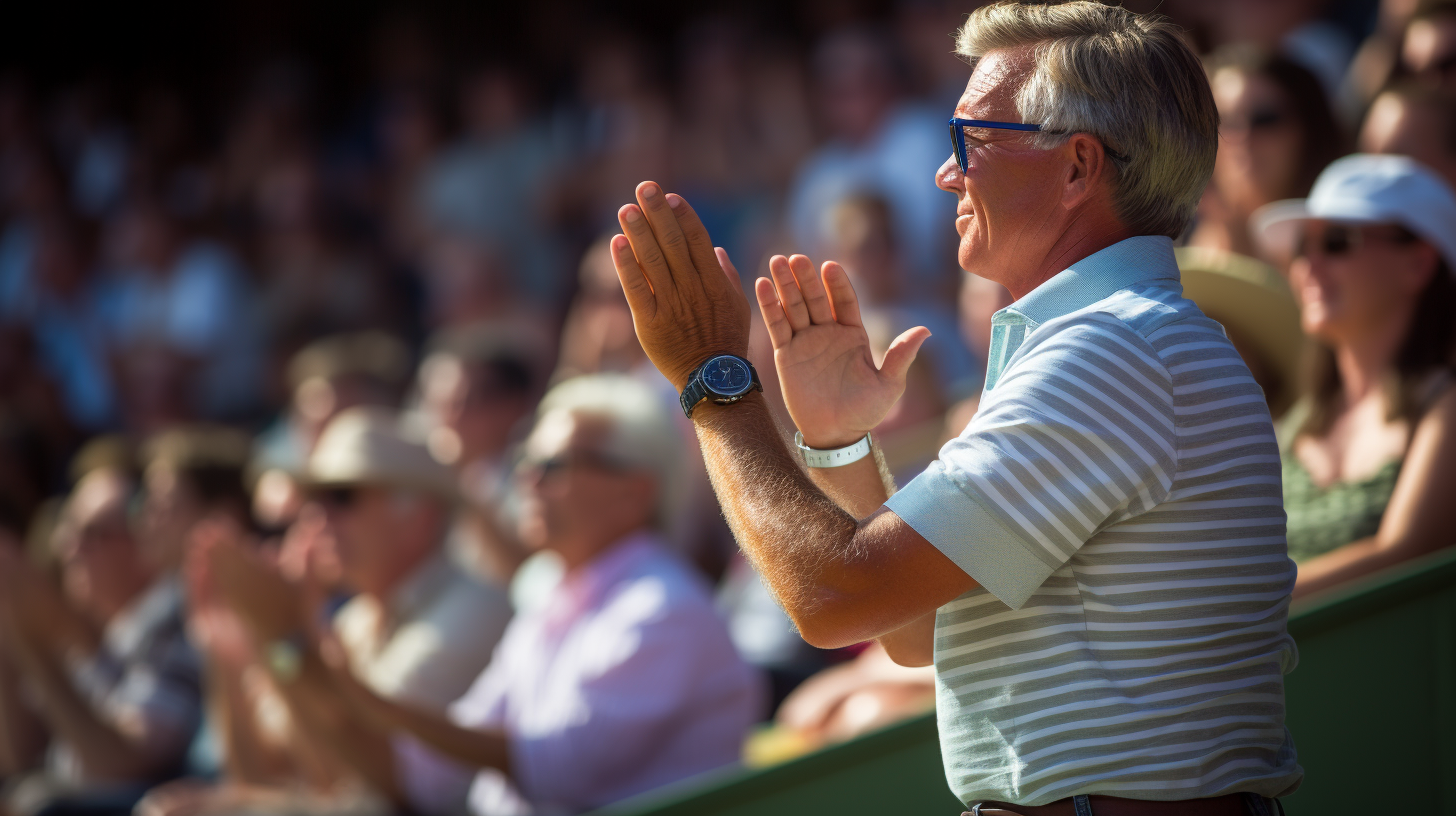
1372 706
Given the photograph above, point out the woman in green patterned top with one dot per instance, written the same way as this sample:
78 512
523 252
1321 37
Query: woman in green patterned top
1369 452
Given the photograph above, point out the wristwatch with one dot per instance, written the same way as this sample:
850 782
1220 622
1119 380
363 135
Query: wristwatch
284 657
724 379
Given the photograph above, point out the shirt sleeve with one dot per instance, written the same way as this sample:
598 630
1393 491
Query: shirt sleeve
1076 435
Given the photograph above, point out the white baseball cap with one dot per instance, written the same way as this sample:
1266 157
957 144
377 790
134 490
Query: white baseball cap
1367 189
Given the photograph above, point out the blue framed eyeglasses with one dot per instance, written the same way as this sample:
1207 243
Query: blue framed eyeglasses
958 136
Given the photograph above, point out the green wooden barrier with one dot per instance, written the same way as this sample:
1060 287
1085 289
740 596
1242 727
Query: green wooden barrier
1372 706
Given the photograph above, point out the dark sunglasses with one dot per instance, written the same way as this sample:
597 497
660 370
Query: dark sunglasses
1339 240
561 462
336 498
1259 120
958 137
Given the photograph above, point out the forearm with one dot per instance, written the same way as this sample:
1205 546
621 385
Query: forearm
475 748
800 540
246 757
320 708
859 488
912 644
1353 561
103 748
22 735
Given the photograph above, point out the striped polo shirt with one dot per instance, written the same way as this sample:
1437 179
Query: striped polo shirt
1117 499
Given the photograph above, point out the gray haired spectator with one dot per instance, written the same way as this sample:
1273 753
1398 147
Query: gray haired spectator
108 664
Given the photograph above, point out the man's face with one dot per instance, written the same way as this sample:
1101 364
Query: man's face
576 499
102 567
1007 200
169 511
367 527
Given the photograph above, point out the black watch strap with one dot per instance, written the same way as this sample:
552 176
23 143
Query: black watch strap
694 393
696 390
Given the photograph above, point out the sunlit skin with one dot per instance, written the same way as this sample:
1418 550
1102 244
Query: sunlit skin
1403 127
1024 214
584 507
1428 43
382 535
1361 304
1255 165
1014 227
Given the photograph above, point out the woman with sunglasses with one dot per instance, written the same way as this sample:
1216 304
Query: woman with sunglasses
1369 454
1276 132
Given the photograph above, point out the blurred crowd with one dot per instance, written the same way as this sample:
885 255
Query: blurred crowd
334 480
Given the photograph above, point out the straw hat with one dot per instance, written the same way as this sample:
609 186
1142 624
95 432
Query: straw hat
366 446
1254 303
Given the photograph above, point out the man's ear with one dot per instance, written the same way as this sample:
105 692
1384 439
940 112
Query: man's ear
1087 167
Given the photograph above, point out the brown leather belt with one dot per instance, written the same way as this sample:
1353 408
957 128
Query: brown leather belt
1228 805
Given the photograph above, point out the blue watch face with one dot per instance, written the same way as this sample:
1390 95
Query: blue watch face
727 376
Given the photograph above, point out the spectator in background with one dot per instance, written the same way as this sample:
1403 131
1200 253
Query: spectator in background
324 379
1428 50
478 386
489 185
418 631
1417 121
63 318
877 144
191 474
182 319
1276 132
598 335
1370 452
312 282
108 664
625 126
1295 29
468 280
622 679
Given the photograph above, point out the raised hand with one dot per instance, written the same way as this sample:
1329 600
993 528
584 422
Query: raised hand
687 303
834 391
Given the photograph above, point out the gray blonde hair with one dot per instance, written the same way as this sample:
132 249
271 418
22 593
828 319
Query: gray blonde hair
643 433
1130 80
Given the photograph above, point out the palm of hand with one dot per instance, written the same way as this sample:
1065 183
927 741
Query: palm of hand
829 381
834 391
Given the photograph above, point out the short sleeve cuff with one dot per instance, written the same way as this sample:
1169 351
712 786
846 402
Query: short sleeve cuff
956 523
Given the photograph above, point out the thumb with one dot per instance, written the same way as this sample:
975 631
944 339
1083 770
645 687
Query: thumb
902 353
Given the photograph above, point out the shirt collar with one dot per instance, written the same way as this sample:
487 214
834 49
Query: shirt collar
583 588
1095 277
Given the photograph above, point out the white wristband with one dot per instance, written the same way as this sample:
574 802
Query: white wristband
836 457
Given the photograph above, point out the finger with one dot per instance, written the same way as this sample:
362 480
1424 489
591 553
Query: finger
645 248
730 272
815 299
902 353
789 295
701 251
634 282
670 237
841 295
779 330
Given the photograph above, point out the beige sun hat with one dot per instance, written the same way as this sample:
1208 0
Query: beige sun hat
1255 305
368 446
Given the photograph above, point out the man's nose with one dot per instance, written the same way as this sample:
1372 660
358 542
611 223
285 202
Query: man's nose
949 177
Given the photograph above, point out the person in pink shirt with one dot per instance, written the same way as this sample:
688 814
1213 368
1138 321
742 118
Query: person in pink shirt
618 678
